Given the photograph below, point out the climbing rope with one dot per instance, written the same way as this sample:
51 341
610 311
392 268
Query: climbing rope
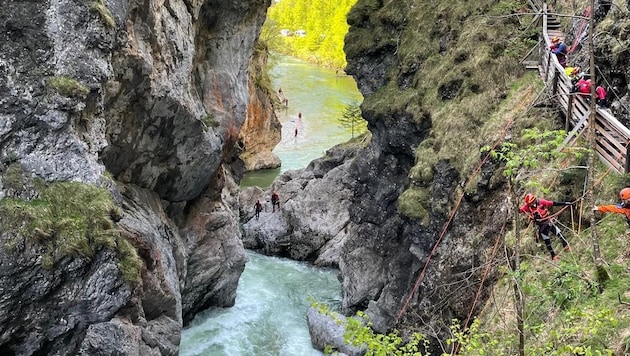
448 222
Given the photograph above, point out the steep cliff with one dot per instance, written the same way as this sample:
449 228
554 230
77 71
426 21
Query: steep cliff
261 131
139 105
419 208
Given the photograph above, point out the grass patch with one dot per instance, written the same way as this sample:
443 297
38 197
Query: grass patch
67 86
70 219
13 177
99 8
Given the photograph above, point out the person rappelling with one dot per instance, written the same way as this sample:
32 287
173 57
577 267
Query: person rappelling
537 210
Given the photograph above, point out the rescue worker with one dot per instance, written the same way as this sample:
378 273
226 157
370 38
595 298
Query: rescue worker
537 210
583 86
574 73
601 96
621 208
560 50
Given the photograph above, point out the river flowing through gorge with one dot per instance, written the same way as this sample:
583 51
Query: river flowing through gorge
273 295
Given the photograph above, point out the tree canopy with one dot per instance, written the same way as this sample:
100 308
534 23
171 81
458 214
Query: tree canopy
313 30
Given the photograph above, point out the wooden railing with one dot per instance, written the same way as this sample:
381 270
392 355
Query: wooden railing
612 137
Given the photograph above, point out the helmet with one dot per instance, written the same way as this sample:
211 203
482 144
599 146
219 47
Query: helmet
624 194
555 39
530 198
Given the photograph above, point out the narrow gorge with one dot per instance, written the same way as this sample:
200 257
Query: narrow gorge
126 127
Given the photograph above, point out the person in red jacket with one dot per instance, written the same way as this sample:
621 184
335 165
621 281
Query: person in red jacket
583 86
621 208
601 96
537 210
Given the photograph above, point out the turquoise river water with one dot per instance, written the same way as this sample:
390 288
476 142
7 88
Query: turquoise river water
273 294
318 93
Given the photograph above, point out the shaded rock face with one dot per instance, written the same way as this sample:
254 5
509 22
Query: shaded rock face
216 255
154 93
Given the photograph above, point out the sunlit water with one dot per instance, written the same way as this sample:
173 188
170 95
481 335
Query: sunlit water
321 95
269 317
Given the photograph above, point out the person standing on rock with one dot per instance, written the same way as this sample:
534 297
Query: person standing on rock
275 201
258 208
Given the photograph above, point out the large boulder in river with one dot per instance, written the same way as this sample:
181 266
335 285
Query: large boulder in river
310 227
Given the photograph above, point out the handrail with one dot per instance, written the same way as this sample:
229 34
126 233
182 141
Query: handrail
612 137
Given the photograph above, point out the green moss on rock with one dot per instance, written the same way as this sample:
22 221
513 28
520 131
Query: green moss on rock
414 203
67 86
69 219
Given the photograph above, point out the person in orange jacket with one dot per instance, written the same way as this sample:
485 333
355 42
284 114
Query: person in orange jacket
621 208
538 210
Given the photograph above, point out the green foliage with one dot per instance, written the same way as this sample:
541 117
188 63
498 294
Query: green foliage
102 10
584 333
537 149
69 219
568 285
67 86
351 118
324 23
359 333
473 341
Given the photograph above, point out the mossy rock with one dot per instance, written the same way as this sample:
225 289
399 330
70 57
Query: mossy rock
67 86
414 204
70 219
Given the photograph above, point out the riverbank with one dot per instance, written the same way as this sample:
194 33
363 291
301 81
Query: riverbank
320 95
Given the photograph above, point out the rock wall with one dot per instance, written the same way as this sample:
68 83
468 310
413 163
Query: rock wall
146 99
261 131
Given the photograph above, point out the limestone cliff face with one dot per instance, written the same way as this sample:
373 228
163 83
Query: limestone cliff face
153 93
261 131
